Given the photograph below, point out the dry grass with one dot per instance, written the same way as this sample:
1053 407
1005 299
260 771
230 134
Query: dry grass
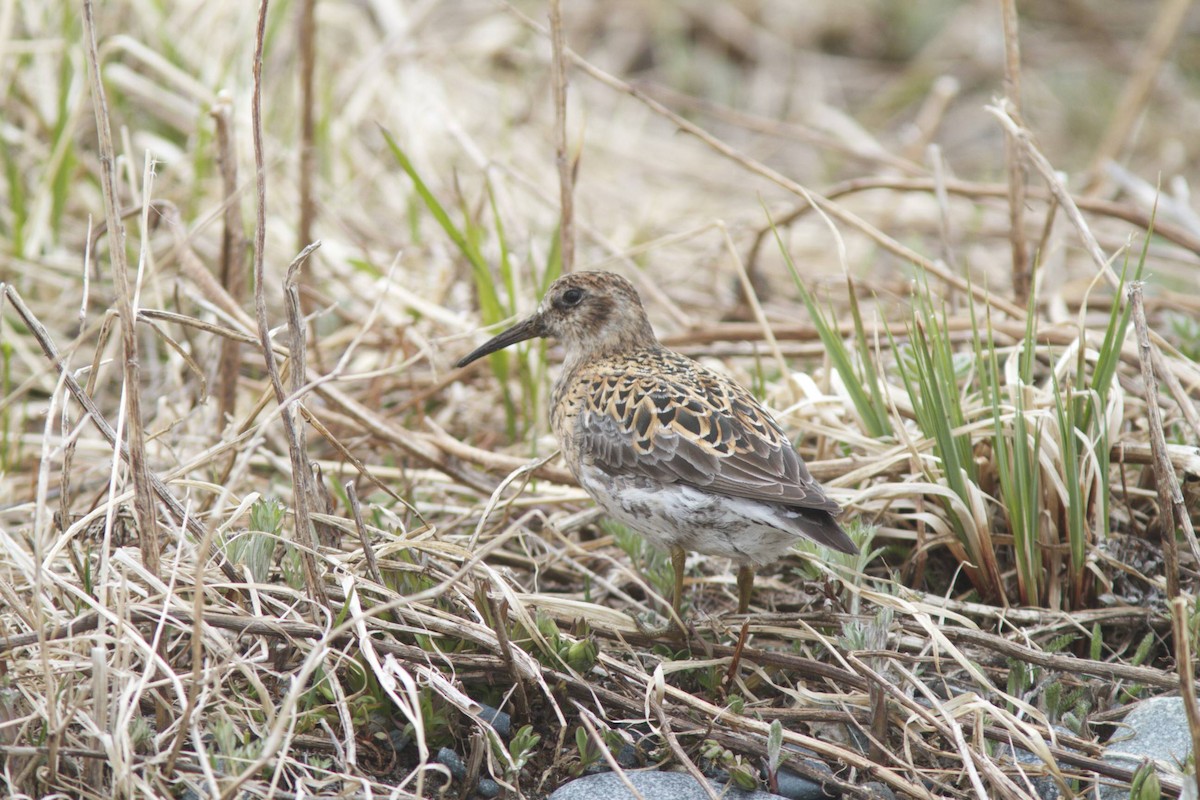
169 621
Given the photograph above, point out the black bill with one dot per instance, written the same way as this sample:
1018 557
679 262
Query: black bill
530 328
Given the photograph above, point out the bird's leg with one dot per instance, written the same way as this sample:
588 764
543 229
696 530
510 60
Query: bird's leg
678 559
675 625
745 584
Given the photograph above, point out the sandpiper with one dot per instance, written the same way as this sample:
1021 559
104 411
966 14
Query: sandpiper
679 454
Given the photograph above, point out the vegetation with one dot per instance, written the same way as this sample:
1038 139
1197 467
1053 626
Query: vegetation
958 259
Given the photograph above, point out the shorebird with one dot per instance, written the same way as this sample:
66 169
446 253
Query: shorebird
679 454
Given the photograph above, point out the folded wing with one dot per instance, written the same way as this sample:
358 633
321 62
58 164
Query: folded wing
703 432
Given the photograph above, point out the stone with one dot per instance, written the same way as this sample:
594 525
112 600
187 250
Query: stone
651 786
1156 729
453 762
794 786
500 721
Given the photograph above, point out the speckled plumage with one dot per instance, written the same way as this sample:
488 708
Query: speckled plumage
683 456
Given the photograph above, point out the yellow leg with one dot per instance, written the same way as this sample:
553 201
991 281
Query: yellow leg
745 583
678 558
675 625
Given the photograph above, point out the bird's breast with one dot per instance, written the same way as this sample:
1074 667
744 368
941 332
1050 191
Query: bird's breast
567 402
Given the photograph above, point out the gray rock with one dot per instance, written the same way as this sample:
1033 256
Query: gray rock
1155 729
878 791
500 721
458 768
651 786
398 741
453 762
797 787
1043 784
1036 771
627 756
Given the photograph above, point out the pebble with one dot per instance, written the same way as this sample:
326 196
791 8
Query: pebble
797 787
453 762
500 721
651 786
458 768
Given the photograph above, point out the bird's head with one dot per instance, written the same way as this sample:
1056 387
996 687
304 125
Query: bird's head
591 313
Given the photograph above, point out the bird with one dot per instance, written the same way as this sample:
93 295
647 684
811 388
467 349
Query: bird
679 454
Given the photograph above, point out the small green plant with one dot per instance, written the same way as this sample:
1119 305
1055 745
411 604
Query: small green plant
1187 334
656 564
1143 649
932 373
1131 692
1096 644
368 701
1145 784
1017 449
411 579
589 752
741 773
323 763
871 634
559 650
581 655
266 515
141 735
1020 678
255 548
774 753
318 699
710 679
522 747
292 565
232 749
436 720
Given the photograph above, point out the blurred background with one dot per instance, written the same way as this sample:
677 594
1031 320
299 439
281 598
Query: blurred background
417 142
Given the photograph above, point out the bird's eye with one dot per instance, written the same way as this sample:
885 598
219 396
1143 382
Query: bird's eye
572 297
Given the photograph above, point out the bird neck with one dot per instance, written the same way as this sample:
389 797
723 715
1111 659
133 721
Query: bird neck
625 341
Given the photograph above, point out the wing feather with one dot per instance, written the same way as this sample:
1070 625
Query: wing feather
700 430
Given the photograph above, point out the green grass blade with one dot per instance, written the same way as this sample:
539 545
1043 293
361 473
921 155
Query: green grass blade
867 402
489 301
492 310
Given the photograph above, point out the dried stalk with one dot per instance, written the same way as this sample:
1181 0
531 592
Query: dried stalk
1172 512
232 270
1185 665
1021 268
363 538
174 507
131 368
299 459
1024 138
562 159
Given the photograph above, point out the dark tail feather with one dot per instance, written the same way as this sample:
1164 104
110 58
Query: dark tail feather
822 528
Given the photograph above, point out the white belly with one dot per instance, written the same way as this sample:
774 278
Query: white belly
748 531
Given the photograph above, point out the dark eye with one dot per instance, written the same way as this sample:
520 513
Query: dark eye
572 297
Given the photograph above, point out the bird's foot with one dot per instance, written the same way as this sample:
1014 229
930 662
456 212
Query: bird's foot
673 628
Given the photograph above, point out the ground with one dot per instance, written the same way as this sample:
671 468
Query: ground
950 244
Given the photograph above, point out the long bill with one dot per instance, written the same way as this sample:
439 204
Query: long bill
529 328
